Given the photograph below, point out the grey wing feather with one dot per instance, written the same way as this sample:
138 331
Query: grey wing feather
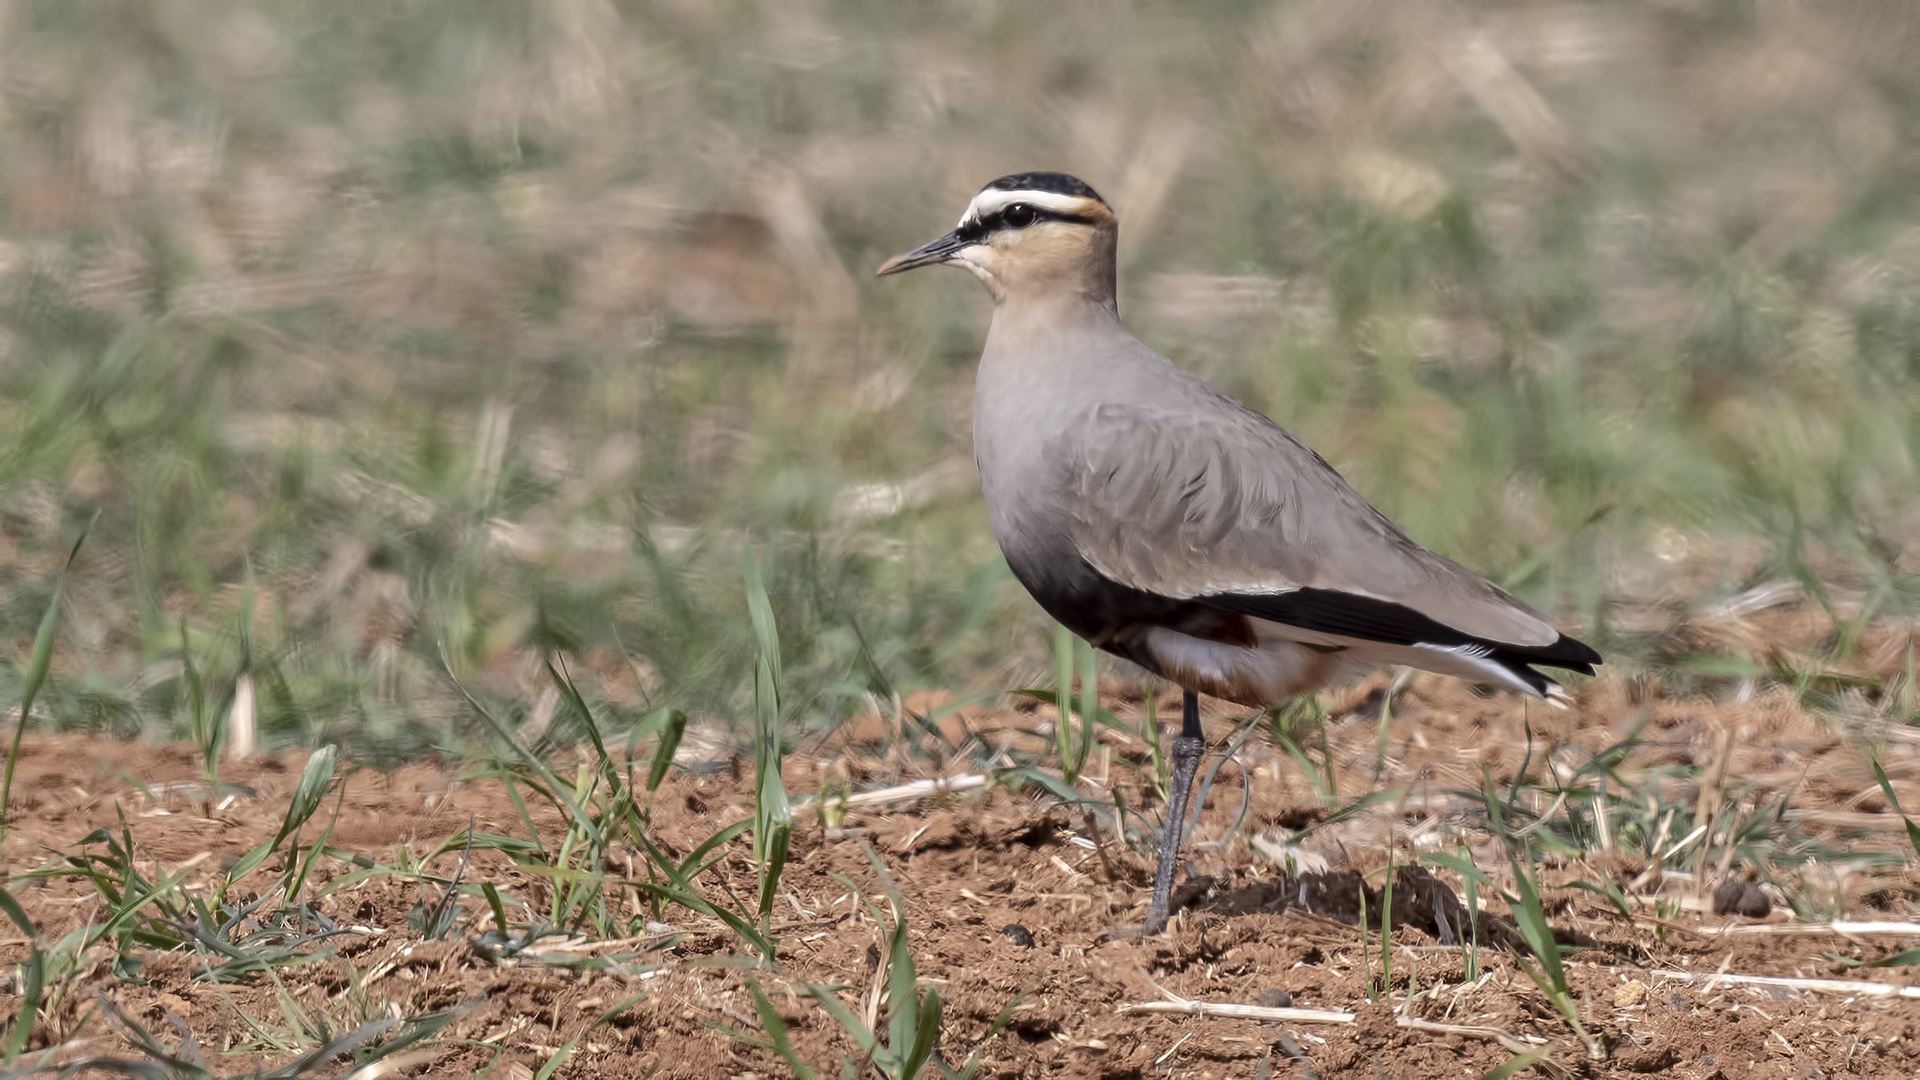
1194 504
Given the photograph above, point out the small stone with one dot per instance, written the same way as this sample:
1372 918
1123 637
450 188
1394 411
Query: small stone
1743 898
1276 997
1754 903
1629 994
1018 934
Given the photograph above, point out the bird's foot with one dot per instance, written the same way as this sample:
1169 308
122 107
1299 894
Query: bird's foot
1187 894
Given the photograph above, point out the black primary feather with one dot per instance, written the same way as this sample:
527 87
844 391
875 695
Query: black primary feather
1330 611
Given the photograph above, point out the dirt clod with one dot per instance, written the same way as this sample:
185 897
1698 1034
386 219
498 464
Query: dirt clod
1742 898
1374 1026
1655 1060
1276 997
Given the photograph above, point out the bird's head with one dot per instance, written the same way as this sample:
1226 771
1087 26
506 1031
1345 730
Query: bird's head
1029 236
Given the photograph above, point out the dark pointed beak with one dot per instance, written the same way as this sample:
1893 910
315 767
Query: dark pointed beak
936 251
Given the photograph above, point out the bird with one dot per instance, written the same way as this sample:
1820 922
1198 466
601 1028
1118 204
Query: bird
1172 526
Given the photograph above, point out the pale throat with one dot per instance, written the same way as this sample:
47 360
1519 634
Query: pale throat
966 260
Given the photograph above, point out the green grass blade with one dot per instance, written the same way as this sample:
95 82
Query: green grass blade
680 891
1516 1065
296 881
1042 779
1459 864
1366 954
578 704
1531 918
673 727
775 863
18 914
690 867
33 979
38 663
1089 704
196 696
760 610
1063 703
902 981
773 814
1470 969
1386 934
863 1039
558 791
492 893
1893 801
926 1035
314 780
776 1030
1150 733
411 1032
1608 890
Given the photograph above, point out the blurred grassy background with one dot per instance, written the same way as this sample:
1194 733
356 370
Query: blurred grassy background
371 331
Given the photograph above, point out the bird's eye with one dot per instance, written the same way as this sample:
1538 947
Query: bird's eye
1018 216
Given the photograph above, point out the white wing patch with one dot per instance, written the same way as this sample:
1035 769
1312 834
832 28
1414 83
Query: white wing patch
1470 652
1287 661
1469 662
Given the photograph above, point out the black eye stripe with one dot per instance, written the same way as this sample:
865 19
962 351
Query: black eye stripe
998 220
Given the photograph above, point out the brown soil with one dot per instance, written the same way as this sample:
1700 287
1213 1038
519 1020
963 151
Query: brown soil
976 870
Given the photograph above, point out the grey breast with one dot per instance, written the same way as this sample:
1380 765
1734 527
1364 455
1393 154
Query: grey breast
1035 404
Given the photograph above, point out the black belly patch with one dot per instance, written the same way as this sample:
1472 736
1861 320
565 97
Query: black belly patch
1116 618
1323 650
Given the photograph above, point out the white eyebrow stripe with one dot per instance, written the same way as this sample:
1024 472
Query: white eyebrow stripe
993 200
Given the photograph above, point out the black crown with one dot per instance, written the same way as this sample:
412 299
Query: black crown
1057 183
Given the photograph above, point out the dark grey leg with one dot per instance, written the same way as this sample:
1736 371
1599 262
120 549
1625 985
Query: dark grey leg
1186 761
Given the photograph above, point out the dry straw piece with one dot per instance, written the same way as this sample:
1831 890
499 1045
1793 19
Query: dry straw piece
1234 1011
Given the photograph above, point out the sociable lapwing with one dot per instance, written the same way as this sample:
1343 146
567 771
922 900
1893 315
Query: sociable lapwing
1170 525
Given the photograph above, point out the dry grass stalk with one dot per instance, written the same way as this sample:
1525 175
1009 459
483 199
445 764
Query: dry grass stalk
1838 926
1709 804
1856 987
1235 1011
397 1064
908 792
242 732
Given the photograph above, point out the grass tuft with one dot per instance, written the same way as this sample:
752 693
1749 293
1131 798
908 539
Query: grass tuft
38 663
1547 972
